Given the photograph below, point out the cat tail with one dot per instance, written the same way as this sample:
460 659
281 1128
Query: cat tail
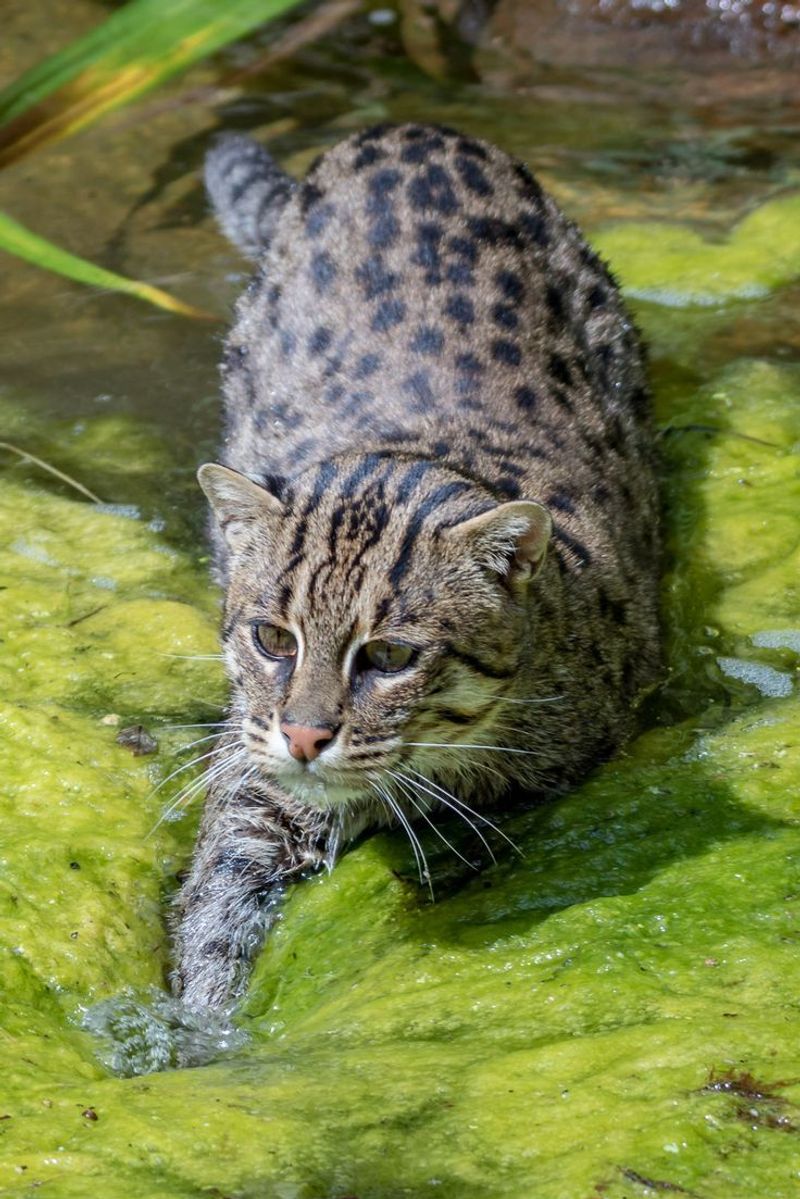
248 191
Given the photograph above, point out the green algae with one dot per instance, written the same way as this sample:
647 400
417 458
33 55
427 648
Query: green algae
103 624
612 1011
555 1026
674 265
101 599
733 534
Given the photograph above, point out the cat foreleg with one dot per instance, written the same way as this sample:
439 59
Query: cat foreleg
248 850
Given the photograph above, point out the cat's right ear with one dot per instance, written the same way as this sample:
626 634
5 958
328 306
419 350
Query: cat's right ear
241 506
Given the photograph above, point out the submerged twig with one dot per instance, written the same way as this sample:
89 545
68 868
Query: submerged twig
720 432
53 470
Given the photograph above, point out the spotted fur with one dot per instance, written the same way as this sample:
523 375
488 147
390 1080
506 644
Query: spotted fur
429 357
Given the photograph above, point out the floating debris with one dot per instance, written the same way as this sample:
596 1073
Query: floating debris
137 739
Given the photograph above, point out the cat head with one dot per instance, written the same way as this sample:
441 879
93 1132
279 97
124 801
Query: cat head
373 615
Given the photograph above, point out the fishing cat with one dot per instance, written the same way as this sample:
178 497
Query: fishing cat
437 521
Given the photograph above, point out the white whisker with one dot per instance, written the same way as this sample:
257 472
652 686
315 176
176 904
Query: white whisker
200 740
190 657
478 815
419 853
488 698
187 794
208 703
202 724
407 784
503 726
193 788
444 797
505 749
180 769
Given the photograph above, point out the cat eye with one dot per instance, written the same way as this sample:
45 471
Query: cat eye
274 641
386 656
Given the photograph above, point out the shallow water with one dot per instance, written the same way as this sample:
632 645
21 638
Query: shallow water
581 1021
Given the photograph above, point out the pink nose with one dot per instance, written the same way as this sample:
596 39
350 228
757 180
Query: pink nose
306 744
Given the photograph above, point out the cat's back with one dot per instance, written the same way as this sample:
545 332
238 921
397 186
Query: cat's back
420 290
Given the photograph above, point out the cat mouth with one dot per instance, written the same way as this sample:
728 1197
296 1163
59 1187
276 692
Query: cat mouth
321 786
322 793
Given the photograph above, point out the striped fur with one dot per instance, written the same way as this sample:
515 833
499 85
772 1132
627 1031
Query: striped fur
247 190
428 347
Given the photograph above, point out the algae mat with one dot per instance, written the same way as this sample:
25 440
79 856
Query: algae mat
615 1013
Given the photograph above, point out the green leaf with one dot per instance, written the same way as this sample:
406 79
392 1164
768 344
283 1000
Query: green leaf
16 239
138 47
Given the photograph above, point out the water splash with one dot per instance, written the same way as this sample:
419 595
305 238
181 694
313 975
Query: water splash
778 639
144 1032
770 682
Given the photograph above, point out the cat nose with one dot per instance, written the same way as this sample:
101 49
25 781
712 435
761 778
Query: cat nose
306 744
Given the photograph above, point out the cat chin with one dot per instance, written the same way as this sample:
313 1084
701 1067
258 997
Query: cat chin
317 793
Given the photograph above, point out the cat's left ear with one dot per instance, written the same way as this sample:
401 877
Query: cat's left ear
510 540
241 506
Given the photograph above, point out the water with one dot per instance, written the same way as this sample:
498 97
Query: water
143 1033
610 141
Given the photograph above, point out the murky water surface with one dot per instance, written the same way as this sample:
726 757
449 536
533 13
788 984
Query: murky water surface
615 1014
